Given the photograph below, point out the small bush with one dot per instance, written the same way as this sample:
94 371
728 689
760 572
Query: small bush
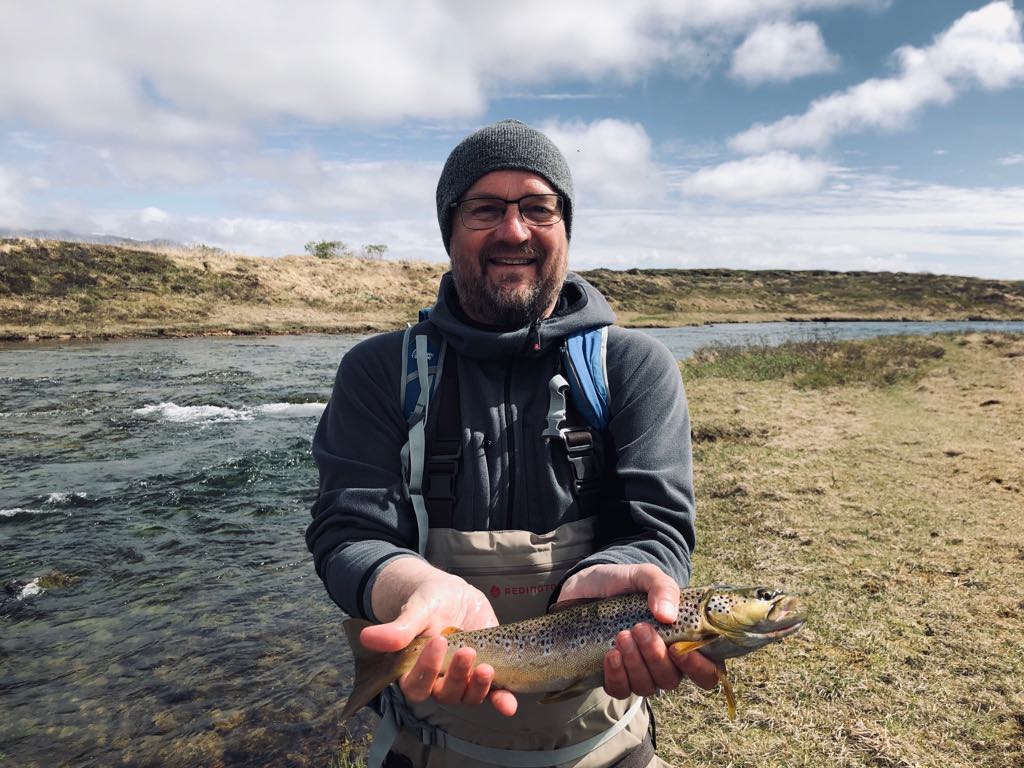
328 249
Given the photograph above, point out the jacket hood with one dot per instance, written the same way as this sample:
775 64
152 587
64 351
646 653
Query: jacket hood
580 307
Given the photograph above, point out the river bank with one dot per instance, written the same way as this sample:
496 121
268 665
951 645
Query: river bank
65 290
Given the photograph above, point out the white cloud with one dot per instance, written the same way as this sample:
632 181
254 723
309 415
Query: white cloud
781 51
874 223
983 47
1012 160
11 206
610 160
191 72
153 215
767 176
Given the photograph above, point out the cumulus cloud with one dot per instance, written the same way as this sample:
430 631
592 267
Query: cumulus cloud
610 160
781 51
767 176
983 47
194 72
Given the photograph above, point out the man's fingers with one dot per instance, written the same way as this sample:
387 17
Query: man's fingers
479 685
504 702
451 688
640 681
616 681
698 667
418 683
655 655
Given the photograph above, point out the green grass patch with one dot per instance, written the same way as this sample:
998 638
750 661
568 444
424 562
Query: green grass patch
818 364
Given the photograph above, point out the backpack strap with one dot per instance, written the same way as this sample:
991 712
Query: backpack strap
575 419
585 358
418 351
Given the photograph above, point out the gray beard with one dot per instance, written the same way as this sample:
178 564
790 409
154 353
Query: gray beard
504 308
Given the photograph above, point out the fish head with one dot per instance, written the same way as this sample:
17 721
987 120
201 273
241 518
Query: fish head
752 616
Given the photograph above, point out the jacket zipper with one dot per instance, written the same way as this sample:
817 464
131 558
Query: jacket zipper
511 446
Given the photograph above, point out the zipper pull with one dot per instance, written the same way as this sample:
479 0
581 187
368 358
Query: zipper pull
533 338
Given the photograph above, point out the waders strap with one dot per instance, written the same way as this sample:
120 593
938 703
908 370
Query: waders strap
396 715
445 450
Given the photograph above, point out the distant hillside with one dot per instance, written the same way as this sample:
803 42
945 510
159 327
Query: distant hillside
55 289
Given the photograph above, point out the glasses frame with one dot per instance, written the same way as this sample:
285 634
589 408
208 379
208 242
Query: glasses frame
476 227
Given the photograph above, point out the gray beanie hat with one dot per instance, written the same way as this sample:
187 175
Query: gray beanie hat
508 144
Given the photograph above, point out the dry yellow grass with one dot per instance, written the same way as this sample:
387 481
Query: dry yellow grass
60 289
898 512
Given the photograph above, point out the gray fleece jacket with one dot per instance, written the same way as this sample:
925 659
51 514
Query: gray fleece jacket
510 478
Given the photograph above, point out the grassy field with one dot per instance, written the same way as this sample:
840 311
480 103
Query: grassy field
54 289
882 480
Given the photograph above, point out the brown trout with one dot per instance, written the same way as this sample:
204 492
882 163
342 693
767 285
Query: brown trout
561 654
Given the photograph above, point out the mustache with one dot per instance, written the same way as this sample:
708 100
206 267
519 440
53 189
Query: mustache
524 251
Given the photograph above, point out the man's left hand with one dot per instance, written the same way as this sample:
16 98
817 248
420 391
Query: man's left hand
641 663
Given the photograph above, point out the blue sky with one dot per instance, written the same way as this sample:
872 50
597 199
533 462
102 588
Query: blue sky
748 134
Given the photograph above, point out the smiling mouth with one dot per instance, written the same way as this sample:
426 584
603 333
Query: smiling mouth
506 262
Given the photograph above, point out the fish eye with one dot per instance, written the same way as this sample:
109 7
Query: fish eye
767 594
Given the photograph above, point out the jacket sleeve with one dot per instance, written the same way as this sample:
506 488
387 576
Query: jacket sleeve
362 517
649 433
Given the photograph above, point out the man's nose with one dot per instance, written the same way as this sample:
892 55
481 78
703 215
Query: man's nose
513 228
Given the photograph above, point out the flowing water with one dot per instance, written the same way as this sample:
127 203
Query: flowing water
171 480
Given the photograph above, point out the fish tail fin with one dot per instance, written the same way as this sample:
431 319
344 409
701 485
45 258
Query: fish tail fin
375 670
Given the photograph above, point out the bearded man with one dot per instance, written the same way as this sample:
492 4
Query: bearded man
493 520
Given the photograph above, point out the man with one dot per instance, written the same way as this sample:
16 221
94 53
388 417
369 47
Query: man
523 524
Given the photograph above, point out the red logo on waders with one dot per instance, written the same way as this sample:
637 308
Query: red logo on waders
495 591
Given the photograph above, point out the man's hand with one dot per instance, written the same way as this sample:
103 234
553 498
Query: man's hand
417 599
641 663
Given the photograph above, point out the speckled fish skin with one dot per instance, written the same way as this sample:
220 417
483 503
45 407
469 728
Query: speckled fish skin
562 653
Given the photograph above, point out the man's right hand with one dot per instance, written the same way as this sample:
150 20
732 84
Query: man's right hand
416 599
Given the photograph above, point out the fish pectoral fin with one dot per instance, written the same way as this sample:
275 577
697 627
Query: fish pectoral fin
575 688
685 646
730 695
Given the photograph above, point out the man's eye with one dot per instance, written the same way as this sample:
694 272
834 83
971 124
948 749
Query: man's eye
539 210
484 209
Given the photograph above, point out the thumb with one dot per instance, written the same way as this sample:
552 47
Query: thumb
397 634
662 592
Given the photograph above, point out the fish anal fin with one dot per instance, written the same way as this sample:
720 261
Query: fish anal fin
730 695
450 631
576 602
575 688
683 647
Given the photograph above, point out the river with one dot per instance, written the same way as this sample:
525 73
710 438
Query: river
172 480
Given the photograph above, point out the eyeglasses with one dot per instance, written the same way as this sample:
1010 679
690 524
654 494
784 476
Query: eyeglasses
488 212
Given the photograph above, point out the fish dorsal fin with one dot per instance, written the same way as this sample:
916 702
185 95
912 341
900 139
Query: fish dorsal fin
576 602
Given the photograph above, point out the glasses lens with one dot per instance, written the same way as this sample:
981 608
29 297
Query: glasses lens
541 209
482 212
